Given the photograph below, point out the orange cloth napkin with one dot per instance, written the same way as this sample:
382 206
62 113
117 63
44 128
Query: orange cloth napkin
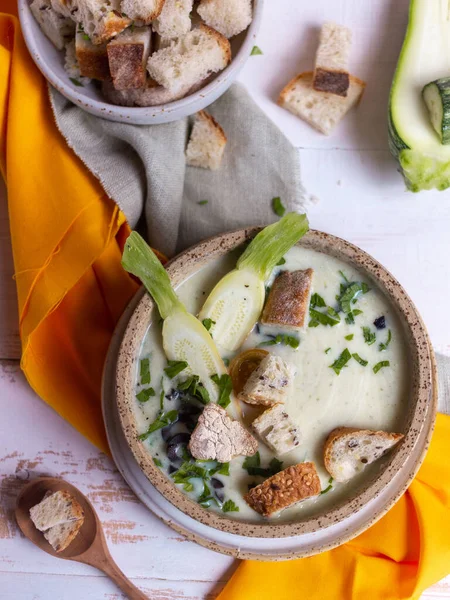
67 237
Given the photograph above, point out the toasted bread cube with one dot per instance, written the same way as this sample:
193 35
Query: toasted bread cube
217 437
229 18
332 60
284 489
127 57
270 383
190 58
174 20
57 27
142 10
288 301
277 430
348 450
99 21
92 59
151 94
55 509
206 143
61 536
321 110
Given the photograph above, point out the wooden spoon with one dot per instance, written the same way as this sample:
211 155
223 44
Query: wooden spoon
88 547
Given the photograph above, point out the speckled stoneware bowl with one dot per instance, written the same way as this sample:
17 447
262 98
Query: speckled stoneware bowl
50 62
419 415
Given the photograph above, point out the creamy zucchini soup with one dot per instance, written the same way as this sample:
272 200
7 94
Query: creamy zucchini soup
253 440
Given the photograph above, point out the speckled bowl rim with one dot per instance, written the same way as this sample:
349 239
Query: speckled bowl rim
163 113
423 396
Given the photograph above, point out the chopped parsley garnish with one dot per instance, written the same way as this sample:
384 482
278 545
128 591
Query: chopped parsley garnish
342 274
225 386
381 365
317 301
206 497
360 360
350 337
208 323
277 207
313 323
220 469
76 81
351 295
384 346
281 262
174 367
157 462
327 350
330 487
161 397
369 336
341 362
145 395
196 389
380 323
256 51
286 340
161 421
202 202
230 506
252 464
320 318
144 371
350 318
189 471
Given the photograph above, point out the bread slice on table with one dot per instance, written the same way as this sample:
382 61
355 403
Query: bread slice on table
206 143
55 509
55 26
99 21
142 10
288 303
190 58
152 94
348 451
92 59
321 110
174 20
61 536
127 58
229 18
332 60
284 489
270 383
276 428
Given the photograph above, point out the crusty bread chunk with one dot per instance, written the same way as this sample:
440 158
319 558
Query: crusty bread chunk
56 26
64 7
71 65
150 95
276 428
99 21
229 17
55 509
174 19
92 60
206 143
61 536
284 489
142 10
347 450
217 437
321 110
190 59
270 383
127 57
288 301
332 59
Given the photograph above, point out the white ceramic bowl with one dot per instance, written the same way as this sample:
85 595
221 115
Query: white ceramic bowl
50 62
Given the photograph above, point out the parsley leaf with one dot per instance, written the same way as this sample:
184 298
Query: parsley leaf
76 81
360 360
161 421
286 340
349 337
144 371
157 462
327 350
281 262
317 300
369 336
202 202
186 472
384 346
208 323
196 389
230 506
381 365
323 318
220 469
341 362
256 51
252 464
330 487
174 367
277 207
145 395
225 386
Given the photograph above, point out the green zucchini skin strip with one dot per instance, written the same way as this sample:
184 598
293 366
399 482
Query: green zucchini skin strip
439 91
139 260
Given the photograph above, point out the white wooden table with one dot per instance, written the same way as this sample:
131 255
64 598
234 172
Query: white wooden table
361 198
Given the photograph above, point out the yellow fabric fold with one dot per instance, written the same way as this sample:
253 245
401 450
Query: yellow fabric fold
66 236
398 558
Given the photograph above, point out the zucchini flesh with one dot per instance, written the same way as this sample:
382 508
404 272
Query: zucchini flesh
184 337
436 96
423 159
236 302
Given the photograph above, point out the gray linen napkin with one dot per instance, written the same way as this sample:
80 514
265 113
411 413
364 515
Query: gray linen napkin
142 168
